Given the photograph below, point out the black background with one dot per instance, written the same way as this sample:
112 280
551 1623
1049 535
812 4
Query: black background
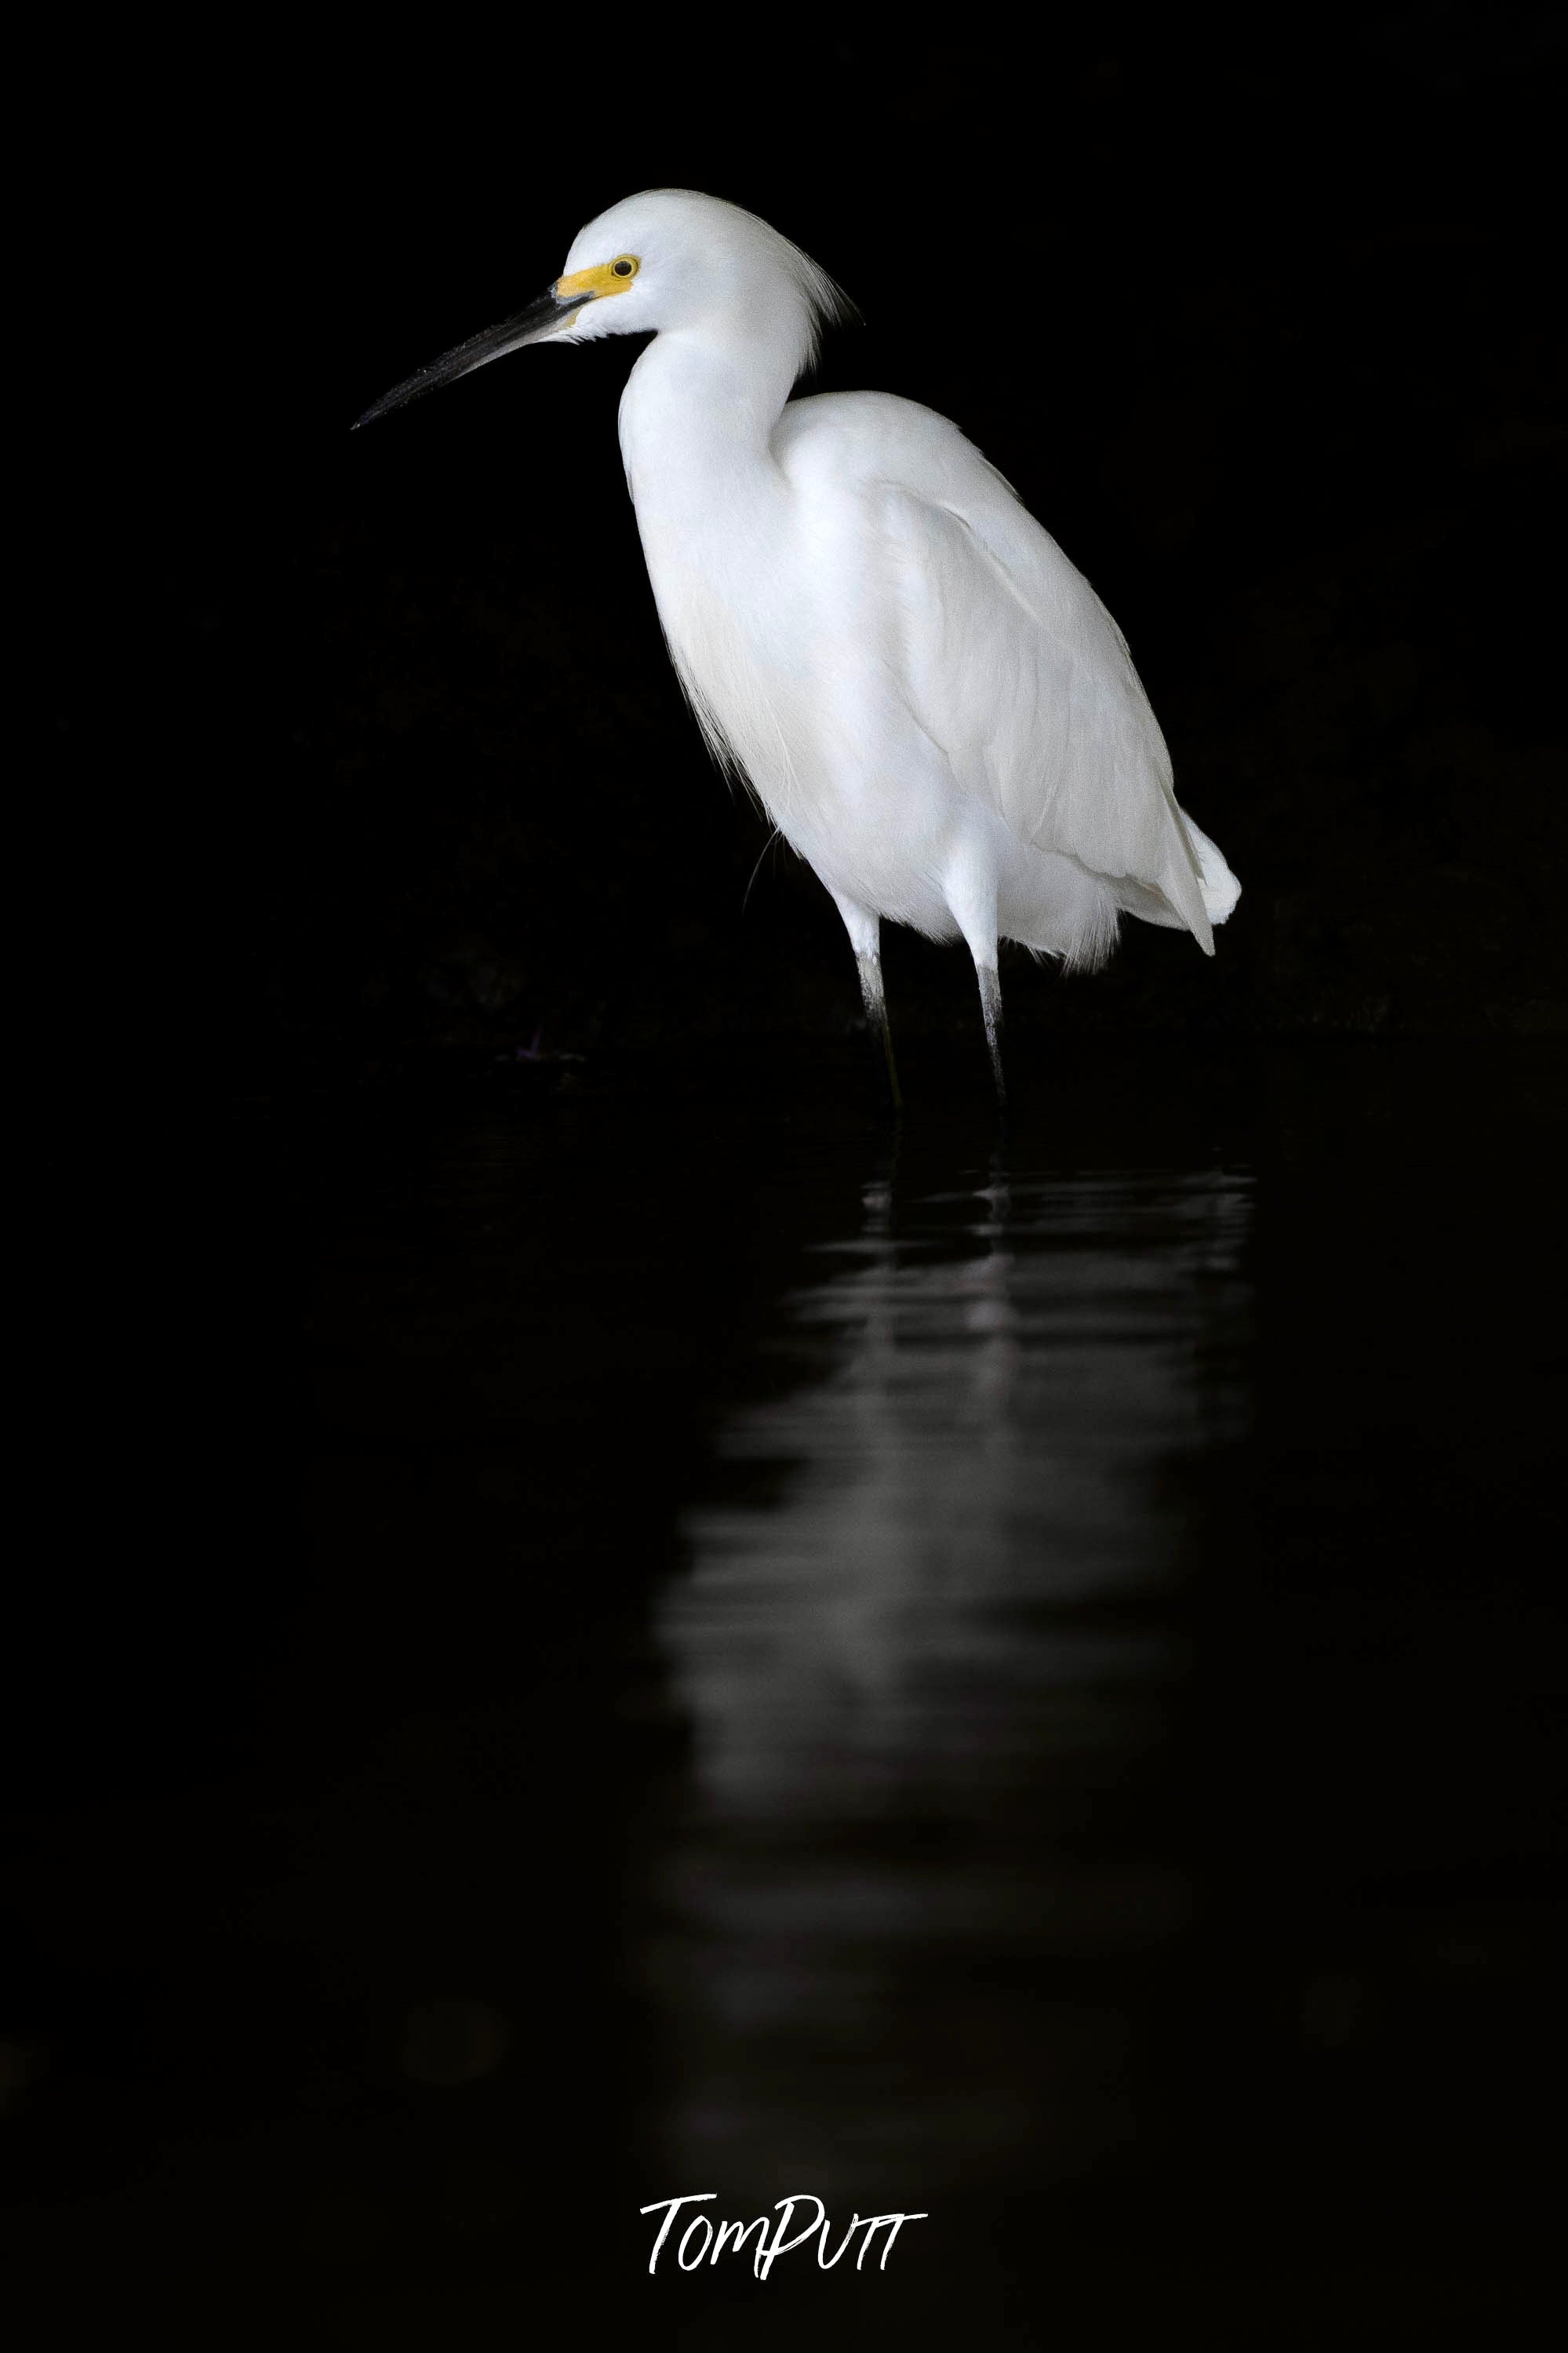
369 770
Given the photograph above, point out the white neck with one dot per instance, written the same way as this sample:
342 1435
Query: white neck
695 418
699 397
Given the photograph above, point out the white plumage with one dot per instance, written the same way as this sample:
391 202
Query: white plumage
931 703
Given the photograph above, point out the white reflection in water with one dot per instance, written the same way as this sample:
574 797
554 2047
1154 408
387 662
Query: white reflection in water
1014 1367
916 1653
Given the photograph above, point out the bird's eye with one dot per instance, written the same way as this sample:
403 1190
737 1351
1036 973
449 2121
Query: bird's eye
625 268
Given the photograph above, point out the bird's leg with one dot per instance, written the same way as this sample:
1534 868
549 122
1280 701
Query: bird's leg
864 930
870 989
990 1006
969 889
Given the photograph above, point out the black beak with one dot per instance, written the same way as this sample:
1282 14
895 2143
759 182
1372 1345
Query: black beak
537 321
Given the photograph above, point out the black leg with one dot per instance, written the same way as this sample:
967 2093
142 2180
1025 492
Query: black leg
870 989
991 1006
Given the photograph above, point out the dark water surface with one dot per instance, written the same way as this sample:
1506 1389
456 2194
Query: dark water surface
656 1636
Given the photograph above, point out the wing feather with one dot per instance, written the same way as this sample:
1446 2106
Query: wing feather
1010 661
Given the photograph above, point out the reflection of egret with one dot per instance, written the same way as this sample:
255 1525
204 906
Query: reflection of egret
916 1650
935 708
1012 1365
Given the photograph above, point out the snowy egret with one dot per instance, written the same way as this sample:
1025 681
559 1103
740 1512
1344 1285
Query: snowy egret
929 702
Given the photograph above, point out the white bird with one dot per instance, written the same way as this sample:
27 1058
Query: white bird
929 702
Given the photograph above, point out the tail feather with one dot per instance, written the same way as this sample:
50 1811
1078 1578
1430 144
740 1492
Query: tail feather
1219 885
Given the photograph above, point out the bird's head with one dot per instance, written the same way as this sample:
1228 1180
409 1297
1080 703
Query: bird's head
656 263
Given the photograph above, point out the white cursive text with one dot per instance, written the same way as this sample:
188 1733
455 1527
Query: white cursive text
710 2243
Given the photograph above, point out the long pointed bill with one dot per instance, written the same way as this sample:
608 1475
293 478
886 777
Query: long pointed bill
550 313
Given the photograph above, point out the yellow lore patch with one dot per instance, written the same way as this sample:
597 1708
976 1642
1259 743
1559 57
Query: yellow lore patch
606 278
